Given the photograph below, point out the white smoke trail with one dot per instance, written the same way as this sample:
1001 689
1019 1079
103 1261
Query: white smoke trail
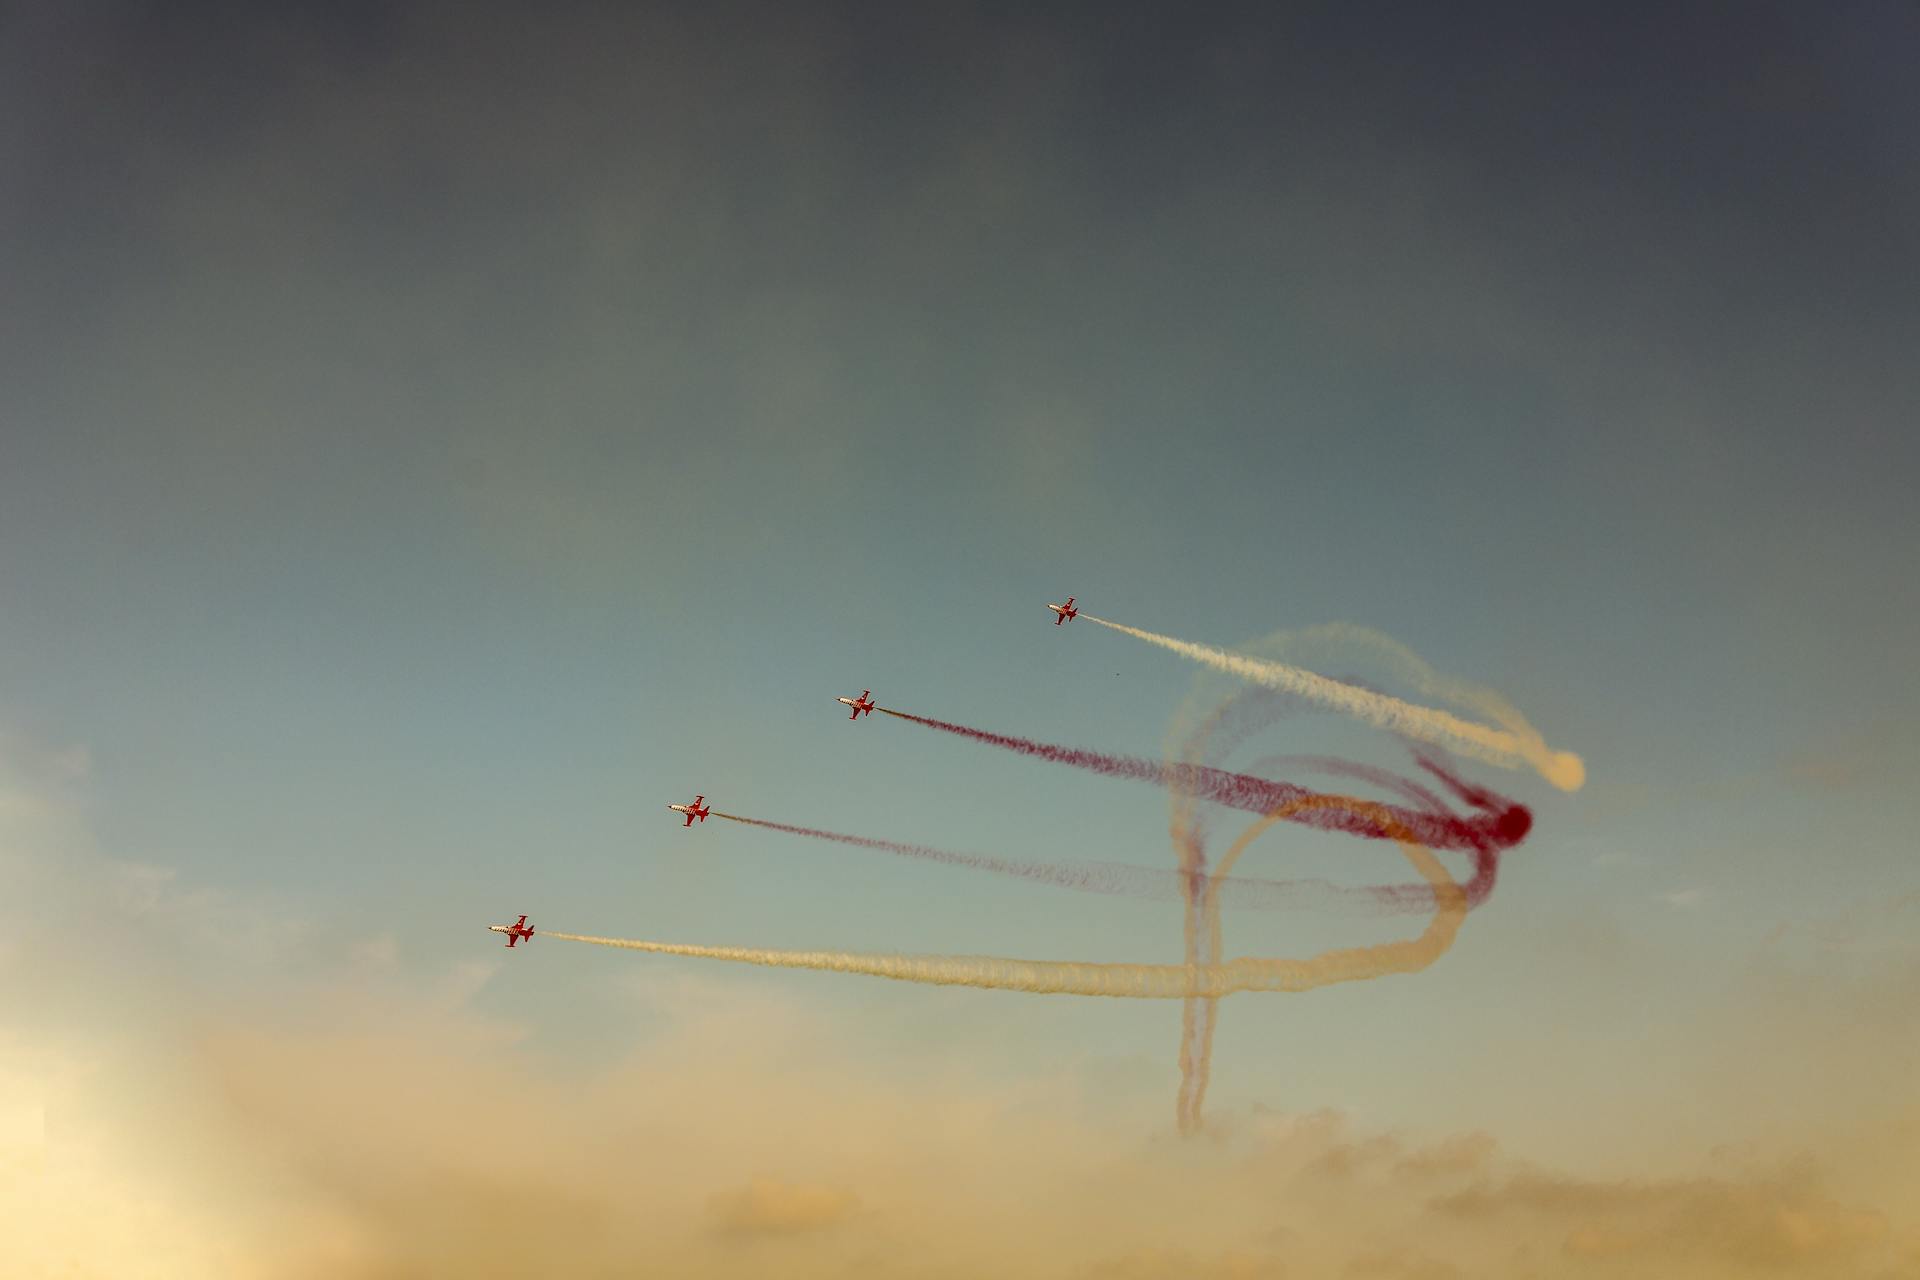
1080 978
1132 981
1516 744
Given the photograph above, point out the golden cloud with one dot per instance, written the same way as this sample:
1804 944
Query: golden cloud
368 1120
769 1206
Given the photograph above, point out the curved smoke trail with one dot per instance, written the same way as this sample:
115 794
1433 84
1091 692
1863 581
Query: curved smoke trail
1137 981
1515 744
1212 740
1202 1011
1228 726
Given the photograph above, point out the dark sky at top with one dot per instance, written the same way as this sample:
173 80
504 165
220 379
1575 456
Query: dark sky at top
1754 160
1588 317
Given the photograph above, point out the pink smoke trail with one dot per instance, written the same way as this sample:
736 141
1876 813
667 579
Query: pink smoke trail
1120 879
1499 826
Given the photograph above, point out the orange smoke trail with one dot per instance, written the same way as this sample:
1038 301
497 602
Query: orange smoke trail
1197 1063
1134 981
1518 743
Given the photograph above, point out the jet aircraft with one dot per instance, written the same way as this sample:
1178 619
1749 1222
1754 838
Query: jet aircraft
862 703
692 811
1063 611
517 930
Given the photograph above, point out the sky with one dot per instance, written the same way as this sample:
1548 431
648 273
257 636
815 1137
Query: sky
435 437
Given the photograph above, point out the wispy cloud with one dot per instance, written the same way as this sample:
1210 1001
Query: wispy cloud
373 1120
768 1206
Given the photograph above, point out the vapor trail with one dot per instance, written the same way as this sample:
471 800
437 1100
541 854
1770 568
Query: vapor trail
1213 739
1499 826
1196 1048
1134 981
1122 880
1514 745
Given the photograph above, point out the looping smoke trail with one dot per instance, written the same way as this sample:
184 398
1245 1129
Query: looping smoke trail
1499 825
1229 725
1212 740
1136 981
1121 879
1197 1065
1514 745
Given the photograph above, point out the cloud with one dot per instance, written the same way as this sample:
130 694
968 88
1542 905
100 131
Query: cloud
1880 926
379 952
348 1115
404 1138
767 1206
1843 758
1400 1266
1180 1264
1783 1222
1461 1154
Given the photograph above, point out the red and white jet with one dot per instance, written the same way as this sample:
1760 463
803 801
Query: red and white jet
862 703
692 811
1064 611
517 930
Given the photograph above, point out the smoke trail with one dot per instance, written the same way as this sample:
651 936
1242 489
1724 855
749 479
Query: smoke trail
1385 779
1212 740
1209 731
1516 744
1202 1012
1495 828
1230 724
1091 877
1137 981
1121 879
1196 1055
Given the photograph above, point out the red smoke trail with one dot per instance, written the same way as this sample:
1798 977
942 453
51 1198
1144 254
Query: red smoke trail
1121 879
1093 878
1385 779
1500 825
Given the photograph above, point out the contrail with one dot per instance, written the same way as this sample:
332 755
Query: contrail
1516 744
1136 981
1212 739
1202 1011
1091 877
1122 880
1491 829
1228 726
1196 1051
